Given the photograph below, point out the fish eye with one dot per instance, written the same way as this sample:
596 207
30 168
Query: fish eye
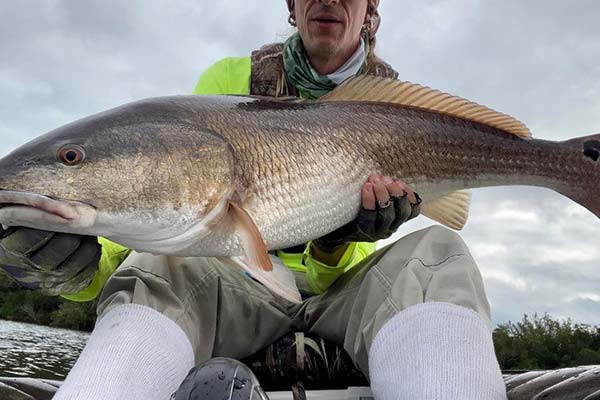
71 154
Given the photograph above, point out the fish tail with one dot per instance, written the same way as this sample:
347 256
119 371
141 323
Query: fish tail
586 191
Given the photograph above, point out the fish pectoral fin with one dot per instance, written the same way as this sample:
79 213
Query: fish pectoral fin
255 249
392 91
451 210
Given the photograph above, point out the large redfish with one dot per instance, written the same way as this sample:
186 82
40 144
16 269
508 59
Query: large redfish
237 176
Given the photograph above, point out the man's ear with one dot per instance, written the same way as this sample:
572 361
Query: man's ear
368 14
367 21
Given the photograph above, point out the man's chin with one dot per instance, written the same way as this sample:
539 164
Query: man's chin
322 46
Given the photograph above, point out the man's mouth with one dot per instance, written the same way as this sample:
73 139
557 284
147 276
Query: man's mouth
326 20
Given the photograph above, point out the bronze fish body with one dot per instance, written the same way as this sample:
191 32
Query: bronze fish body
235 176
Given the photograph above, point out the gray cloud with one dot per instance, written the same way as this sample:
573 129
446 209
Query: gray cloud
537 251
536 60
69 59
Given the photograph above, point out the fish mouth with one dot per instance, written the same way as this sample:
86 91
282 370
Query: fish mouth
43 212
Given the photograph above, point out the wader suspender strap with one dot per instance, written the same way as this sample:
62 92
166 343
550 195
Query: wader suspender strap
267 77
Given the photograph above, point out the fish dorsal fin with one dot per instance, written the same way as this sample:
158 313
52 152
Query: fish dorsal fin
451 210
255 249
385 90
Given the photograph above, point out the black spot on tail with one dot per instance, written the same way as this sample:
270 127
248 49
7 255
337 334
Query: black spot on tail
591 149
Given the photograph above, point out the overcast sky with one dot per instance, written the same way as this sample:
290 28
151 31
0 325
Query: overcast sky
538 60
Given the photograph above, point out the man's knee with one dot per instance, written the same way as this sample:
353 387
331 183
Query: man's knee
433 264
432 247
452 275
437 243
442 248
161 282
440 232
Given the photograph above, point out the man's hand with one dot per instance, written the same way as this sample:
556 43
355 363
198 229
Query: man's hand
55 263
386 204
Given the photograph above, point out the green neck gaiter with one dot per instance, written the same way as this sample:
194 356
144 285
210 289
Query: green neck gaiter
310 83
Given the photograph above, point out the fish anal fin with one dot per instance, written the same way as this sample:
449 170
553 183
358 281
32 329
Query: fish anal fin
386 90
255 249
280 280
451 210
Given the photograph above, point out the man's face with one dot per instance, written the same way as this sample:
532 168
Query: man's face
330 29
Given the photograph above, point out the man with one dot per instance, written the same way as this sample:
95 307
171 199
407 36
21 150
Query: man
414 316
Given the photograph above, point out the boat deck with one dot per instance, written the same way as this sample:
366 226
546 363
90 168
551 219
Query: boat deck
578 383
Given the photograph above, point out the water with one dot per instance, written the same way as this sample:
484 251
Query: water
37 351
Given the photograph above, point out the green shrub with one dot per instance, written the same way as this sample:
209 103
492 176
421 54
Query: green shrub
544 343
80 316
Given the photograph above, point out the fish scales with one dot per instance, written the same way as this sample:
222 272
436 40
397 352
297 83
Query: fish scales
162 175
328 149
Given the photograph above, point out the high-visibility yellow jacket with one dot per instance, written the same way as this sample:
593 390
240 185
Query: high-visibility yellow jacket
232 76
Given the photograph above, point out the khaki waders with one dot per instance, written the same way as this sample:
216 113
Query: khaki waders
226 313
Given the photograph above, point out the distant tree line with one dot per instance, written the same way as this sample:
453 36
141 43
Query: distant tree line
540 342
535 342
17 304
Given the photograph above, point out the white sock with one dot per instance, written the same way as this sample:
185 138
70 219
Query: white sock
435 351
134 353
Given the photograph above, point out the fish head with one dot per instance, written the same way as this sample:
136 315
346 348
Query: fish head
139 175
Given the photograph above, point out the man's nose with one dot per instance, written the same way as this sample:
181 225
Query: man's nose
328 2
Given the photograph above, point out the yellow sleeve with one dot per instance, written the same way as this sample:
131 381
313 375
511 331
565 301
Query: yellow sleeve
227 76
320 276
113 255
